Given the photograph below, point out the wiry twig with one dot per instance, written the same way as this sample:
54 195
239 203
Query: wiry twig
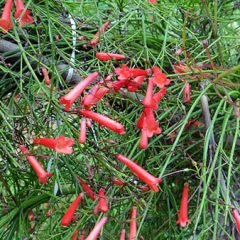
212 145
8 48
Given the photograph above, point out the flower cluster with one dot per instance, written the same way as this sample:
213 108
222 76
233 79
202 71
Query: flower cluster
132 80
21 13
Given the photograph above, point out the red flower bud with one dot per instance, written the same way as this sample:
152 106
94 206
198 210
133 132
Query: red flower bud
87 189
141 173
67 218
102 203
96 209
123 234
186 93
37 167
117 181
5 20
183 212
75 235
133 224
50 212
152 1
144 188
109 56
236 216
60 144
95 39
172 135
135 84
83 128
143 140
46 76
89 123
97 93
147 101
26 18
104 121
76 92
30 216
82 235
96 230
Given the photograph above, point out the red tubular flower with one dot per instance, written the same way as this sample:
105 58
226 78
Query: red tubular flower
144 188
117 85
60 144
82 235
141 173
46 76
95 39
135 83
117 181
160 78
147 101
97 93
67 218
96 209
37 167
75 235
183 212
136 72
83 128
157 97
103 206
133 224
152 1
26 18
5 20
172 135
30 216
143 140
236 216
76 92
89 123
124 72
87 189
50 212
104 121
108 78
109 56
186 93
148 123
123 234
96 230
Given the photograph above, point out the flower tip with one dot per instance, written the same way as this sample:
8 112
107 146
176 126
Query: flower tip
49 174
43 179
182 223
122 132
5 25
154 187
67 103
81 195
23 149
159 180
